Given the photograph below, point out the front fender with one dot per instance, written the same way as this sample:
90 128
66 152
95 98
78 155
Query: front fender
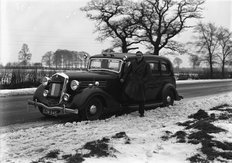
39 93
80 99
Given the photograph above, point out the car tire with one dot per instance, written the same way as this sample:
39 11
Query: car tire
93 109
168 98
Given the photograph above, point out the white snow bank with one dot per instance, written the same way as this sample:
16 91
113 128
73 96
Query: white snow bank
15 92
201 81
146 145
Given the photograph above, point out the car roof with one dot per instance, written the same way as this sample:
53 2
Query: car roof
127 56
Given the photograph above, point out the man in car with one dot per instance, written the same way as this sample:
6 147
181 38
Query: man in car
135 79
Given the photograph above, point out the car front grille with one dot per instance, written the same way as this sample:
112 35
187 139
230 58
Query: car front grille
57 86
55 89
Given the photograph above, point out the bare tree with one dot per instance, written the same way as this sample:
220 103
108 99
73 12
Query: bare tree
177 61
176 47
63 58
58 58
113 21
161 20
224 37
24 55
195 60
47 59
207 43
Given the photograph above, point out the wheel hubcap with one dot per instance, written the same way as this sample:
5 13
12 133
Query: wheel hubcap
169 99
93 109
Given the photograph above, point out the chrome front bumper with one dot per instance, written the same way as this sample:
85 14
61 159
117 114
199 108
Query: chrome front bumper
63 109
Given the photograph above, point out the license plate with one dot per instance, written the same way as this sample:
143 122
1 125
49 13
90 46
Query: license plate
50 112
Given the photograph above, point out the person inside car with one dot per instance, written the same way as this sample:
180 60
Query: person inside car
135 78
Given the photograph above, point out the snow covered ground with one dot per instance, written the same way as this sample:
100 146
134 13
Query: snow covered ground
163 135
200 81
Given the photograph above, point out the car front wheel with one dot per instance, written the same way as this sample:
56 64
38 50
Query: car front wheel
168 98
93 109
42 112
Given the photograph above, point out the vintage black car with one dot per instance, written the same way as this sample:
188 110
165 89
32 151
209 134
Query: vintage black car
98 90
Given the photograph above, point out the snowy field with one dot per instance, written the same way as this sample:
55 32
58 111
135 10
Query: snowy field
167 134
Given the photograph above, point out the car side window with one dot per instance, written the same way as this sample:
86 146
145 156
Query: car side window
165 69
154 68
105 63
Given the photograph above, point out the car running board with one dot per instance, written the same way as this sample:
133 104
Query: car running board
145 105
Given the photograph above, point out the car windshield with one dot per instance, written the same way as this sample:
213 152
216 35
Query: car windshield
105 64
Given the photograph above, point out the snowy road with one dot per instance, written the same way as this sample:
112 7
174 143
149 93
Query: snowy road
13 109
203 88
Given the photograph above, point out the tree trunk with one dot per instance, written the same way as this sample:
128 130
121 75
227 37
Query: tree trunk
156 52
211 66
124 46
156 49
211 71
223 70
156 45
124 50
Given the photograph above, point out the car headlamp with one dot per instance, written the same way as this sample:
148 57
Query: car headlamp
66 97
45 93
45 81
74 85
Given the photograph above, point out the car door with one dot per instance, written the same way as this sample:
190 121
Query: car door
152 87
165 73
124 98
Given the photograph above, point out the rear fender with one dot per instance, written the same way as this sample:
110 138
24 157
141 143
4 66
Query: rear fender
173 89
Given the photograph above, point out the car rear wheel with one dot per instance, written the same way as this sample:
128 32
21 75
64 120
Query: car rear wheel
168 98
93 109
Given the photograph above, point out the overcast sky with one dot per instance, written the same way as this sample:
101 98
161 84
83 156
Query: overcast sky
48 25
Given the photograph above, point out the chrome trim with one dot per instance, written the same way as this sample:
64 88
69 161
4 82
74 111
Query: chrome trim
90 85
97 83
93 109
169 99
125 58
61 74
45 93
84 84
63 89
66 78
77 84
67 95
54 108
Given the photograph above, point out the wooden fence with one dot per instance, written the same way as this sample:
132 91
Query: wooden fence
22 77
